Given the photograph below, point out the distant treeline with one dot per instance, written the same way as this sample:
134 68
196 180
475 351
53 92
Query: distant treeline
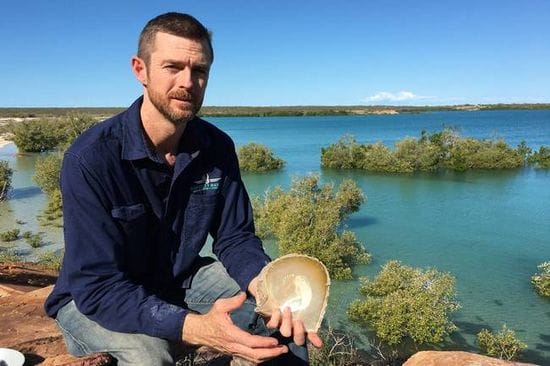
228 111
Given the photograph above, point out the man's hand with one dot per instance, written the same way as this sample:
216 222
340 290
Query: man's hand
287 326
216 330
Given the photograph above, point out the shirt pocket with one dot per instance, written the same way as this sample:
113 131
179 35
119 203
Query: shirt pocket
199 217
134 223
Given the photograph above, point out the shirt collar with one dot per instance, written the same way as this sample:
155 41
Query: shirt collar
135 147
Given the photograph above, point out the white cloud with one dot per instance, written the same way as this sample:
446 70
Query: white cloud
395 97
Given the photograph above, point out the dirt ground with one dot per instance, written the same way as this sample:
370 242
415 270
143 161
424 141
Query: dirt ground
25 326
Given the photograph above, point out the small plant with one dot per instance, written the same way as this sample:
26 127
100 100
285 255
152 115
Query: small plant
338 349
54 211
258 158
50 260
35 136
541 158
406 304
72 126
308 220
46 172
5 179
503 344
541 280
26 234
9 235
9 256
34 240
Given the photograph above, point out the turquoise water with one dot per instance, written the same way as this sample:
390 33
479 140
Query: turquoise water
489 229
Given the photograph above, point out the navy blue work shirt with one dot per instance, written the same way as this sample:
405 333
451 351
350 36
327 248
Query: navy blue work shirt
134 226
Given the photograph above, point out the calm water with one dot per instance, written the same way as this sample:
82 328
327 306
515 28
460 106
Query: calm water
489 229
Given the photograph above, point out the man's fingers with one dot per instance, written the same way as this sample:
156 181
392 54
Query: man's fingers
231 303
251 340
258 355
274 320
299 332
286 324
315 340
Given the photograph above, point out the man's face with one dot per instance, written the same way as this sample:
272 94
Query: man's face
176 76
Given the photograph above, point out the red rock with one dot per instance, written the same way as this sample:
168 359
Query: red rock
26 328
452 358
98 359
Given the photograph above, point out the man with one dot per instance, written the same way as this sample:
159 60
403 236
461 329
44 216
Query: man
141 192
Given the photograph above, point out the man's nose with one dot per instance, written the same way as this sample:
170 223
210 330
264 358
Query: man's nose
185 78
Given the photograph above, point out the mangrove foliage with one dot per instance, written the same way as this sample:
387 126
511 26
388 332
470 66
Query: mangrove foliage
307 219
254 157
5 179
541 280
503 344
47 134
403 304
445 149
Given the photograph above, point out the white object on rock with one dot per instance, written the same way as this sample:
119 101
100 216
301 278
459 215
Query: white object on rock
11 357
296 281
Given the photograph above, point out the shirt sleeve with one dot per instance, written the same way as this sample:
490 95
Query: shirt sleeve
235 244
93 262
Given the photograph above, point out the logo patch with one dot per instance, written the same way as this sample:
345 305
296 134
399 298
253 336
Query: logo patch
205 184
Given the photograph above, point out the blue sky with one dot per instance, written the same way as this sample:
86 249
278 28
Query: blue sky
347 52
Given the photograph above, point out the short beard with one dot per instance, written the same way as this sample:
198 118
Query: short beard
177 117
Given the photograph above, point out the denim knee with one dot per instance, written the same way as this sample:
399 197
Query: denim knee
84 336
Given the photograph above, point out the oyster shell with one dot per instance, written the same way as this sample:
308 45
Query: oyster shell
299 282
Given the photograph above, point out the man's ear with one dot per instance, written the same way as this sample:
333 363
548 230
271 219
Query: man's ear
140 70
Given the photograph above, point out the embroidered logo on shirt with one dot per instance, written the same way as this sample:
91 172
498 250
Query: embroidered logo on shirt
205 184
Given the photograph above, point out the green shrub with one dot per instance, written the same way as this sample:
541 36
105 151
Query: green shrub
53 213
419 155
541 158
524 151
46 175
307 220
72 126
9 256
346 153
46 172
541 280
443 149
50 260
469 153
35 136
258 158
9 235
34 240
406 304
503 344
378 158
5 179
47 134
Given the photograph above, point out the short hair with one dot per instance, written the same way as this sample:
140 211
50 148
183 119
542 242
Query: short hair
177 24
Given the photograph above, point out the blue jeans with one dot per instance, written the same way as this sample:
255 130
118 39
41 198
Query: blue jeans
211 282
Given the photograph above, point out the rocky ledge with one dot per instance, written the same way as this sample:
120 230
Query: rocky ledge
26 328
